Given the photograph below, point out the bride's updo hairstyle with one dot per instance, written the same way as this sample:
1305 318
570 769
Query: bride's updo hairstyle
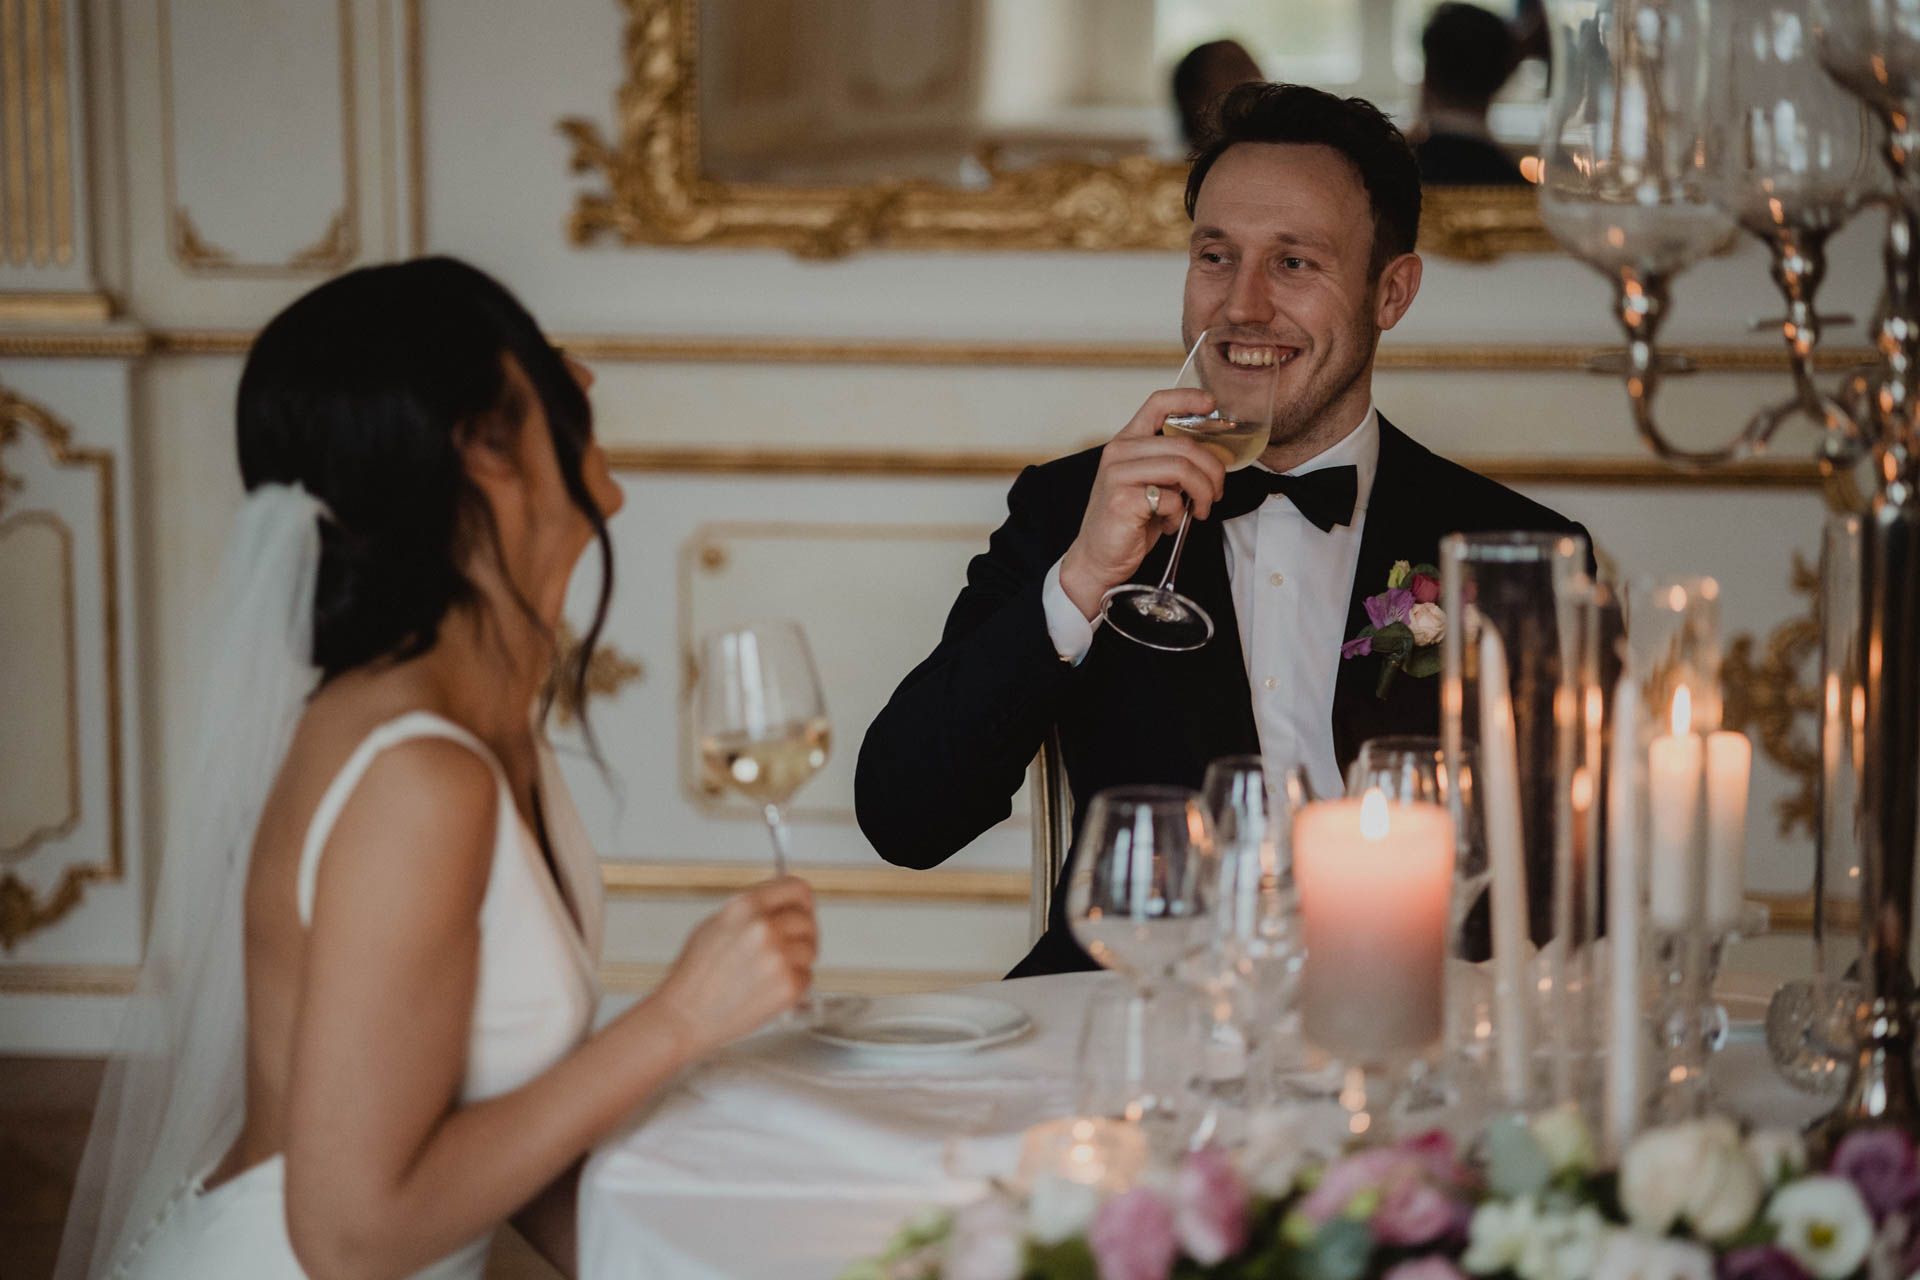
362 393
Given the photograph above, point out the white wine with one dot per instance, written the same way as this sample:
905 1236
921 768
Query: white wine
1234 442
769 767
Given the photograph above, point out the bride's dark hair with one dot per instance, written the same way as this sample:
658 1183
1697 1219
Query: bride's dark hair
362 392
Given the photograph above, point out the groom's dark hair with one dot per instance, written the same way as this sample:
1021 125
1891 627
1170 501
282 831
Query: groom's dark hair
1354 127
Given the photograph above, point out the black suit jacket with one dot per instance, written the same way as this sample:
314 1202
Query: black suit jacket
941 762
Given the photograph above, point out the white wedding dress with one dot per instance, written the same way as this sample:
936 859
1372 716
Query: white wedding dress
535 1002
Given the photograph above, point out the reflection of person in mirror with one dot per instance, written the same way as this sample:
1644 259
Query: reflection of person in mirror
1203 77
1469 55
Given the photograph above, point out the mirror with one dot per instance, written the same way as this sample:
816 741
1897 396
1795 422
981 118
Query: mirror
795 92
830 126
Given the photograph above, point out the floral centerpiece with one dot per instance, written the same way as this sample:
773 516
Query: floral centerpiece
1405 625
1694 1201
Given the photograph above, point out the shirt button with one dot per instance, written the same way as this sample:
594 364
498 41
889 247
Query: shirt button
1278 579
1272 682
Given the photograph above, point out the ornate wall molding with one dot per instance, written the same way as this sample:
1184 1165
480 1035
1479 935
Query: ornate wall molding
337 244
652 190
36 135
69 818
1771 695
864 882
23 909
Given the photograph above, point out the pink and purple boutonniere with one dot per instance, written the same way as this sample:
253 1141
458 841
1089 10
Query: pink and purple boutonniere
1405 625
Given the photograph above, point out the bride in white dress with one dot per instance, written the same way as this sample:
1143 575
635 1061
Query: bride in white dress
361 1039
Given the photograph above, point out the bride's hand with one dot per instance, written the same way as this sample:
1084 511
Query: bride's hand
748 961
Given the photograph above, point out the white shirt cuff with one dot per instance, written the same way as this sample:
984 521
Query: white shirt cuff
1067 627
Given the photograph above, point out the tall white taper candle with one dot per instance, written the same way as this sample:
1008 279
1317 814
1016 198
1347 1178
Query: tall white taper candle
1500 772
1624 1064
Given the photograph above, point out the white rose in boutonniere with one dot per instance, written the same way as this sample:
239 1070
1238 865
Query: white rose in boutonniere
1427 623
1779 1154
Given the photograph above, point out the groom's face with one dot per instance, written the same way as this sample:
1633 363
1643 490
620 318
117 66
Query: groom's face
1277 270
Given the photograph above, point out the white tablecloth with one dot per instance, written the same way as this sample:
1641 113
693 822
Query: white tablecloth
784 1157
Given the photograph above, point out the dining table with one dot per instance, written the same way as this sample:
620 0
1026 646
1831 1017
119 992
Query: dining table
787 1156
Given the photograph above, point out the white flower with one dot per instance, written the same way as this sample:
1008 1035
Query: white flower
1695 1172
986 1243
1565 1138
1823 1224
1428 622
1498 1235
1628 1255
1280 1145
1059 1209
1779 1154
1532 1243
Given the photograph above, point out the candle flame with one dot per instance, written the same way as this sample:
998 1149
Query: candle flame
1682 712
1373 814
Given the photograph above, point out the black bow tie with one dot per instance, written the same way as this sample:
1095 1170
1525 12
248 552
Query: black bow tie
1325 497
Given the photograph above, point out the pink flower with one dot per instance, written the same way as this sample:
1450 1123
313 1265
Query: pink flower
1132 1237
1425 590
1439 1156
1209 1207
1358 647
1434 1268
1880 1163
1413 1212
1347 1178
1412 1182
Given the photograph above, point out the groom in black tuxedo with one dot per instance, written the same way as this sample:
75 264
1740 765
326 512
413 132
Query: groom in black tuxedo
1305 208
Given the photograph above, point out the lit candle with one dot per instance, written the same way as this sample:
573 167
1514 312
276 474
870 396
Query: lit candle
1374 879
1092 1151
1500 775
1673 816
1729 766
1623 923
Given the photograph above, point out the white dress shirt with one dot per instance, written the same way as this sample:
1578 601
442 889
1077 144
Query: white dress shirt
1291 586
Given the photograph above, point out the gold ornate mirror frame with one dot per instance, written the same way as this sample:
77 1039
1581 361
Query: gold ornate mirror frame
655 194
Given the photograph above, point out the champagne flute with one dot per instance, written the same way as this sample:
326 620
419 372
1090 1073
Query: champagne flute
1237 432
761 720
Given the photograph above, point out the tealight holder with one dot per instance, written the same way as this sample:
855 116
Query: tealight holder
1090 1151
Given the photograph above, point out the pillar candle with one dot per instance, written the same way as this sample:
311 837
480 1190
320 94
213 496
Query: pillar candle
1500 778
1729 766
1374 879
1623 924
1674 771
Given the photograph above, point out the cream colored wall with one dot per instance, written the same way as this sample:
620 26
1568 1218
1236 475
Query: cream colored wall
1485 367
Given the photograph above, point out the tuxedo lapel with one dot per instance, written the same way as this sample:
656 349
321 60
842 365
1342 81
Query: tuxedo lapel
1400 525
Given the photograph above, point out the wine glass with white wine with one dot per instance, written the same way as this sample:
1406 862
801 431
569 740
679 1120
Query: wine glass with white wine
1241 377
761 720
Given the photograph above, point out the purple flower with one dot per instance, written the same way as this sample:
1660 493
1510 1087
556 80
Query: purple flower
1433 1268
1425 590
1880 1164
1761 1262
1358 647
1210 1207
1389 607
1132 1237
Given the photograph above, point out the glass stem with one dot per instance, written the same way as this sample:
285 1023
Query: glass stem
1179 545
777 828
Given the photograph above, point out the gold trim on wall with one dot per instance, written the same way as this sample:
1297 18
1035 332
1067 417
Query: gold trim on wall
337 244
69 632
652 190
23 911
51 307
68 979
864 883
36 201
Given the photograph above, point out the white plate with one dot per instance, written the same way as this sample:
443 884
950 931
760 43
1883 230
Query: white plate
920 1024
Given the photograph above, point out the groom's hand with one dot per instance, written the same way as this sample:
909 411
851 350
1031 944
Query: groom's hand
1121 525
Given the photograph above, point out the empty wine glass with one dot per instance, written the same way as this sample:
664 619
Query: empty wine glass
1240 372
761 719
1142 882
